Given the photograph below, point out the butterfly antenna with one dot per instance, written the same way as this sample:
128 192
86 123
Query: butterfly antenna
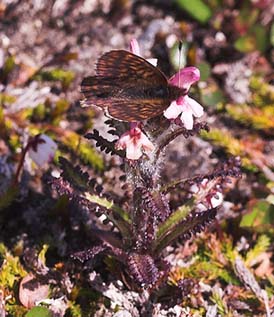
180 46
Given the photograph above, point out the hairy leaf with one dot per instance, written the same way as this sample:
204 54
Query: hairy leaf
143 269
104 144
191 225
74 174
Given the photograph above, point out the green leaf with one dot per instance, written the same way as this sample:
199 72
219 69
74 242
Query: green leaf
74 174
272 34
83 149
256 39
57 74
39 112
109 205
42 253
114 213
197 9
8 197
205 70
261 246
75 309
262 214
61 107
182 223
6 99
11 269
210 270
212 97
173 220
39 311
245 44
9 65
89 155
260 34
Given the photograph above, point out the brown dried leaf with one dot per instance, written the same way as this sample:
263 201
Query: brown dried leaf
31 291
265 268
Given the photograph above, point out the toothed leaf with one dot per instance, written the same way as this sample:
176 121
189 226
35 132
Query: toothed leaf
191 225
74 175
104 144
88 254
143 269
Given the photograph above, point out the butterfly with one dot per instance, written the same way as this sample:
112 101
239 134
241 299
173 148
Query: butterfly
128 88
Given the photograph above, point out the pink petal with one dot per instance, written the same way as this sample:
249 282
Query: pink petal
133 142
173 111
122 143
44 152
195 107
187 119
134 47
133 151
217 201
185 77
147 145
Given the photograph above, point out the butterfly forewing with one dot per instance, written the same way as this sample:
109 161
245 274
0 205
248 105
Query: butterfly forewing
127 87
123 64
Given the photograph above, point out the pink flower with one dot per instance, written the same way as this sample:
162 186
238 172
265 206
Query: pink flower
212 199
134 47
261 4
185 77
134 142
184 105
42 149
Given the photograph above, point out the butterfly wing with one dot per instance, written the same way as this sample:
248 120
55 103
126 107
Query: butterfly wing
123 64
127 87
102 93
133 110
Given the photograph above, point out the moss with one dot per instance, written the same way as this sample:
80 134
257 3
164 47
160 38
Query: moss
57 74
83 149
231 145
259 118
12 270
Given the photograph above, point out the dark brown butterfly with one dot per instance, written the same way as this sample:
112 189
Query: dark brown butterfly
128 87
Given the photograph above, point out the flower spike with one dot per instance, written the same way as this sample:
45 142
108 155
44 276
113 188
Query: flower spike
134 142
184 106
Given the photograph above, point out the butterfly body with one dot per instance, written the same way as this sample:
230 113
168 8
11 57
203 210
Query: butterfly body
128 87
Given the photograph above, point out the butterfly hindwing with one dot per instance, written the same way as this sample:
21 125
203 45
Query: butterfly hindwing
107 94
134 109
99 87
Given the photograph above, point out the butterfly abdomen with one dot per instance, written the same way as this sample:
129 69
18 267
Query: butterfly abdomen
136 92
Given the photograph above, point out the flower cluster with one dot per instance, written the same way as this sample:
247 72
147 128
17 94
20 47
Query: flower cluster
134 141
213 198
184 108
